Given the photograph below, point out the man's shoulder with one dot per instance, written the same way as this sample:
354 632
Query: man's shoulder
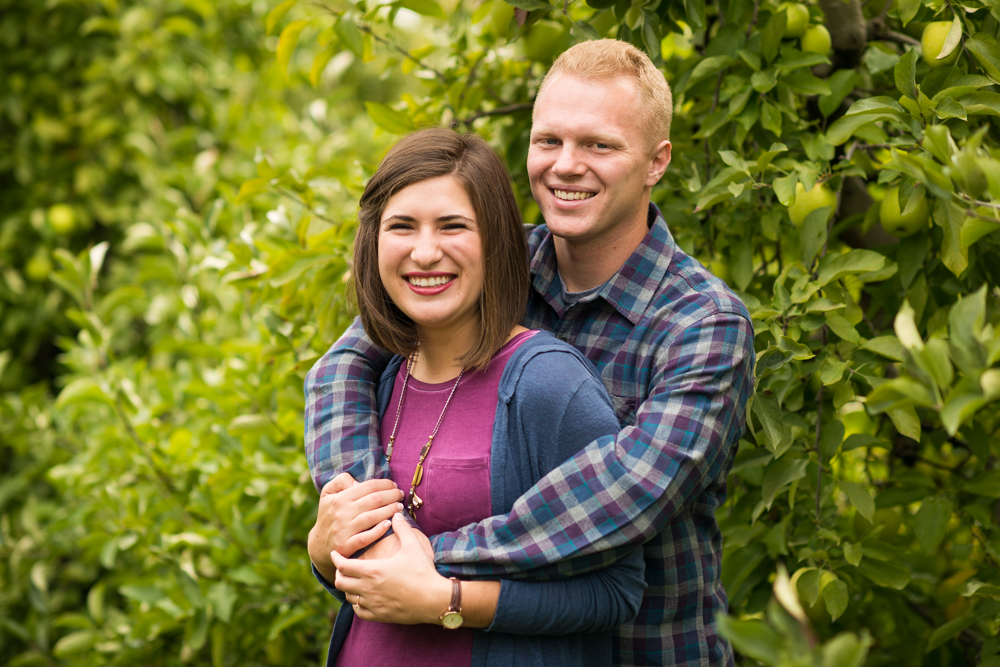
689 293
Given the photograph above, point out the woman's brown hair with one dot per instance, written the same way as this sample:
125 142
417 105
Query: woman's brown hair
420 156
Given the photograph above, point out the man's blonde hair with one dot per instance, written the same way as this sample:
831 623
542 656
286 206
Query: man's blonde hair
605 59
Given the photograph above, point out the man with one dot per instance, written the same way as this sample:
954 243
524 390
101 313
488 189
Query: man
673 345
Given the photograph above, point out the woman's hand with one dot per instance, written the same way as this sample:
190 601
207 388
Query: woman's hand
403 589
351 516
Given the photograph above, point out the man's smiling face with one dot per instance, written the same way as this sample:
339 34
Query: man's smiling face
589 161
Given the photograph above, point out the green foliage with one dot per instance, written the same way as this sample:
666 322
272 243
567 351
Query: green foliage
155 500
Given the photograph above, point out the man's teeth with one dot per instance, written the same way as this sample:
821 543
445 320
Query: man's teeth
429 282
571 196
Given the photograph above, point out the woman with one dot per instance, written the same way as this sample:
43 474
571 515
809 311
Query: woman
475 409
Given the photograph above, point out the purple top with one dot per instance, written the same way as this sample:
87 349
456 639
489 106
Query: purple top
455 490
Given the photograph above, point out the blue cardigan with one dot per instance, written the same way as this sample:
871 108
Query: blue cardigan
551 404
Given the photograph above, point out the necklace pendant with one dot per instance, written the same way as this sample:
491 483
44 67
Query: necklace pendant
416 504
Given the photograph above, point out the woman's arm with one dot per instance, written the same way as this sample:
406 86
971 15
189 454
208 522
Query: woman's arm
407 588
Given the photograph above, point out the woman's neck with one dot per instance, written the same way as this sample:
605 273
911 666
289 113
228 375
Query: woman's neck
440 350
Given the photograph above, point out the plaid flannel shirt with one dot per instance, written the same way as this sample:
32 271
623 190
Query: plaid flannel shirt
674 347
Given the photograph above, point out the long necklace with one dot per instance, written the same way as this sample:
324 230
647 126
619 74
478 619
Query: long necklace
415 502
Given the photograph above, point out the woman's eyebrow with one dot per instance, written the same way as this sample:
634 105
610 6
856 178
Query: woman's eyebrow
442 218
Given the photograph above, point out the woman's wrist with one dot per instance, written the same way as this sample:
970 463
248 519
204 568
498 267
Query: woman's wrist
438 599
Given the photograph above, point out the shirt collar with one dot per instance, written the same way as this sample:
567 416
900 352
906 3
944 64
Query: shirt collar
631 288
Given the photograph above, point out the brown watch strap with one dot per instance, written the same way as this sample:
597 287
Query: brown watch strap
456 596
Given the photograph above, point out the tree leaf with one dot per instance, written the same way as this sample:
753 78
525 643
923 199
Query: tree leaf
953 39
75 642
887 346
319 64
931 522
814 233
950 218
784 188
949 630
987 52
830 438
887 575
906 421
853 553
770 36
834 267
424 8
350 36
905 74
844 128
908 9
83 390
752 638
780 474
835 597
287 41
860 497
275 15
765 406
841 84
250 189
844 650
949 108
388 118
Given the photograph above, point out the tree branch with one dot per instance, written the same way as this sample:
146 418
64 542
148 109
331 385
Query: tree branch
499 111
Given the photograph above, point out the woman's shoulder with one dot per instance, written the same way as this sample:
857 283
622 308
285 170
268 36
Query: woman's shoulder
545 361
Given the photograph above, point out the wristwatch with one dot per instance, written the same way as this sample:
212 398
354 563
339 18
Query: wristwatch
452 619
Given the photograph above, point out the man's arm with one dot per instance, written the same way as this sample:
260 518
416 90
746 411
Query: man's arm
341 418
623 489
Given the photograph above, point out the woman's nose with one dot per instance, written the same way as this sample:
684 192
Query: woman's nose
426 249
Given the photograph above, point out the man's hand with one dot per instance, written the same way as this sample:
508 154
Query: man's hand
402 589
351 516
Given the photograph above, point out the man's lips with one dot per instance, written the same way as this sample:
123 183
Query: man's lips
571 195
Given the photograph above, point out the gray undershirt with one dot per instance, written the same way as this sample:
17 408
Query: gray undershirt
572 298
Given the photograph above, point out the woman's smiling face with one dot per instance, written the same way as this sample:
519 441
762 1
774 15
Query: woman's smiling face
430 255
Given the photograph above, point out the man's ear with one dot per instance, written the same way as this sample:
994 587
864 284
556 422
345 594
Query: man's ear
658 166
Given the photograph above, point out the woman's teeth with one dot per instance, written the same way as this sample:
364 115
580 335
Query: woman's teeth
571 196
434 281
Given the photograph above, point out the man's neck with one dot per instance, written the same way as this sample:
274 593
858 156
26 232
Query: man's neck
583 265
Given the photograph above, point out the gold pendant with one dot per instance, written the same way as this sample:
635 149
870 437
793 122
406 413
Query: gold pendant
417 502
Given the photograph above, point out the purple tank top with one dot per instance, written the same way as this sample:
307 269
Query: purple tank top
455 490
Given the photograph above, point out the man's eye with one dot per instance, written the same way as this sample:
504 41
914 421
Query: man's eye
601 146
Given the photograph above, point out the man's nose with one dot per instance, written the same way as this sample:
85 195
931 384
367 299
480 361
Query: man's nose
569 162
426 249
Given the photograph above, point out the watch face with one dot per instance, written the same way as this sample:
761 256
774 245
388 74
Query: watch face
452 620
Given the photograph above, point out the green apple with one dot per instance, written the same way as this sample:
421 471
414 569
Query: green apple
816 40
807 202
798 18
545 40
932 41
501 14
62 218
897 224
39 266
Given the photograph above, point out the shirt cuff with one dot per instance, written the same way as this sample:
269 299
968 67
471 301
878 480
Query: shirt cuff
512 616
330 588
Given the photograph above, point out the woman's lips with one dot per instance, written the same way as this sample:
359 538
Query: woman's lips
432 284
